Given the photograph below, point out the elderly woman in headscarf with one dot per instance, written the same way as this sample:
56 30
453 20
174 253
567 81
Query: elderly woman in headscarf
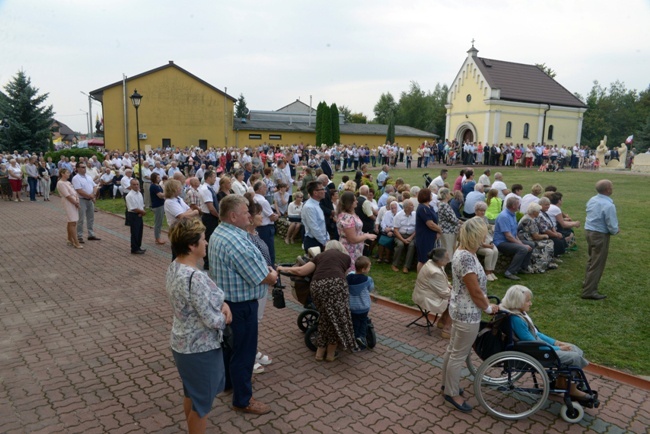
529 230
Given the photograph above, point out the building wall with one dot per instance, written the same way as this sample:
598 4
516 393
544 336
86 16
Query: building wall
307 138
174 106
487 118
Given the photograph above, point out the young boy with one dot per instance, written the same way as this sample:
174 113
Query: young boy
360 287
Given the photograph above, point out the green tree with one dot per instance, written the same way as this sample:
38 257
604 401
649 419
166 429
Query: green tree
414 108
548 71
390 130
320 109
241 111
385 108
358 118
438 110
29 119
642 139
336 128
326 131
346 112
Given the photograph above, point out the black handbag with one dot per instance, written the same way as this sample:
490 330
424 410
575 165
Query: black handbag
278 298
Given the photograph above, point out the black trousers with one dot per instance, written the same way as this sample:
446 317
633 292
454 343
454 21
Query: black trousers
135 223
210 222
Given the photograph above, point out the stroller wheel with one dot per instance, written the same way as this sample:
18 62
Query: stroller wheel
371 336
307 318
310 337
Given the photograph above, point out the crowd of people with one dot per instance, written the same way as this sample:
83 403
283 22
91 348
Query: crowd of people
223 208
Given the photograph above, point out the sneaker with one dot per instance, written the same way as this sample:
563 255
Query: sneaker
511 276
254 407
361 343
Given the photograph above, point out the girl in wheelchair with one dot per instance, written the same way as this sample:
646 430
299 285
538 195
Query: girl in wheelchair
518 300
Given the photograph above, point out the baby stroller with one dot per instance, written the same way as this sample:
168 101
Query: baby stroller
427 180
516 377
300 292
311 335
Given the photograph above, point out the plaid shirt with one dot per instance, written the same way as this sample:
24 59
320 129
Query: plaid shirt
236 264
193 197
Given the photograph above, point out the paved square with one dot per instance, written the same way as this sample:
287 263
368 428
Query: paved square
84 348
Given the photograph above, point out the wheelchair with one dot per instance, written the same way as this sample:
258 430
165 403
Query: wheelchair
514 381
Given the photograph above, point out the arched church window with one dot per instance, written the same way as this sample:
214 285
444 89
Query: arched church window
550 132
526 129
508 129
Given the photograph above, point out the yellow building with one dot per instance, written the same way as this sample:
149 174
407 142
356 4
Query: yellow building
178 109
295 123
493 101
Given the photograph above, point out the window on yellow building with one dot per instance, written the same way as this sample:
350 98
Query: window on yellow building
550 132
508 129
275 136
166 143
254 137
526 128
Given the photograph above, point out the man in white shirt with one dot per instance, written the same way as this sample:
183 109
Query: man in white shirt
173 169
439 181
135 211
146 183
125 182
209 209
516 192
404 228
266 230
499 185
159 170
87 191
106 181
484 179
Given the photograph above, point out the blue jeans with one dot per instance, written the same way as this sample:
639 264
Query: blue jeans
239 361
32 182
360 325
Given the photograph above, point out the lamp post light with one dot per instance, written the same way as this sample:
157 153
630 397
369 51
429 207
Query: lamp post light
136 99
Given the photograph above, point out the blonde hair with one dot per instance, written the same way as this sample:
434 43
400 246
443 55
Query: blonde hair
171 188
185 233
472 233
335 245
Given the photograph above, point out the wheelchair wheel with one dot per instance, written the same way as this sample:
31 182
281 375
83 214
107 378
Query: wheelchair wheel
310 337
572 415
473 363
371 336
517 385
307 318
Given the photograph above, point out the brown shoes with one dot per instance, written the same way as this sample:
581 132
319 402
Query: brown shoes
254 407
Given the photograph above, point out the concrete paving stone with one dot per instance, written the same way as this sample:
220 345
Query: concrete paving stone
71 343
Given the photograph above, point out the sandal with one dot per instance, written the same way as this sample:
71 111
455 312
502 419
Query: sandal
263 359
258 369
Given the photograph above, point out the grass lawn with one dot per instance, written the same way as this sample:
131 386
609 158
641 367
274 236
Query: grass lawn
612 332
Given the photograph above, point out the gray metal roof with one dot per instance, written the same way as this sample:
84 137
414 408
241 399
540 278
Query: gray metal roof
355 129
525 83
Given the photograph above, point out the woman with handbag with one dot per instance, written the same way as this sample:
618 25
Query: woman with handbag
200 316
426 227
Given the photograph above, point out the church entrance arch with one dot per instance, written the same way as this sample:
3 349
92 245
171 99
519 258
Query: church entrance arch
466 132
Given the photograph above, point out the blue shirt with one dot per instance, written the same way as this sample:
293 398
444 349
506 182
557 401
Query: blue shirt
506 222
522 332
236 264
313 220
601 215
383 199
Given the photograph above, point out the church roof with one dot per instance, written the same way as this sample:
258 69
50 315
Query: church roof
525 83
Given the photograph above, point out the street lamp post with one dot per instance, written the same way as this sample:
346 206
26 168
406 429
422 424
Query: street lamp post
136 99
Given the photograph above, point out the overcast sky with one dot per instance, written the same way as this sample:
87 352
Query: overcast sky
347 52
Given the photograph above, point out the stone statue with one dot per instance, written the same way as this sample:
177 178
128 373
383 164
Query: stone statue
601 150
618 163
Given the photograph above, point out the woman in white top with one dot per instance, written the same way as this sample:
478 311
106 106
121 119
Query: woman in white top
175 207
468 299
295 221
238 186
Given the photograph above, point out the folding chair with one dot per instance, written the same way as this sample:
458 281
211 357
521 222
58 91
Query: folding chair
423 314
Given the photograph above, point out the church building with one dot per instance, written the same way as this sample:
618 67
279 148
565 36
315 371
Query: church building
496 101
